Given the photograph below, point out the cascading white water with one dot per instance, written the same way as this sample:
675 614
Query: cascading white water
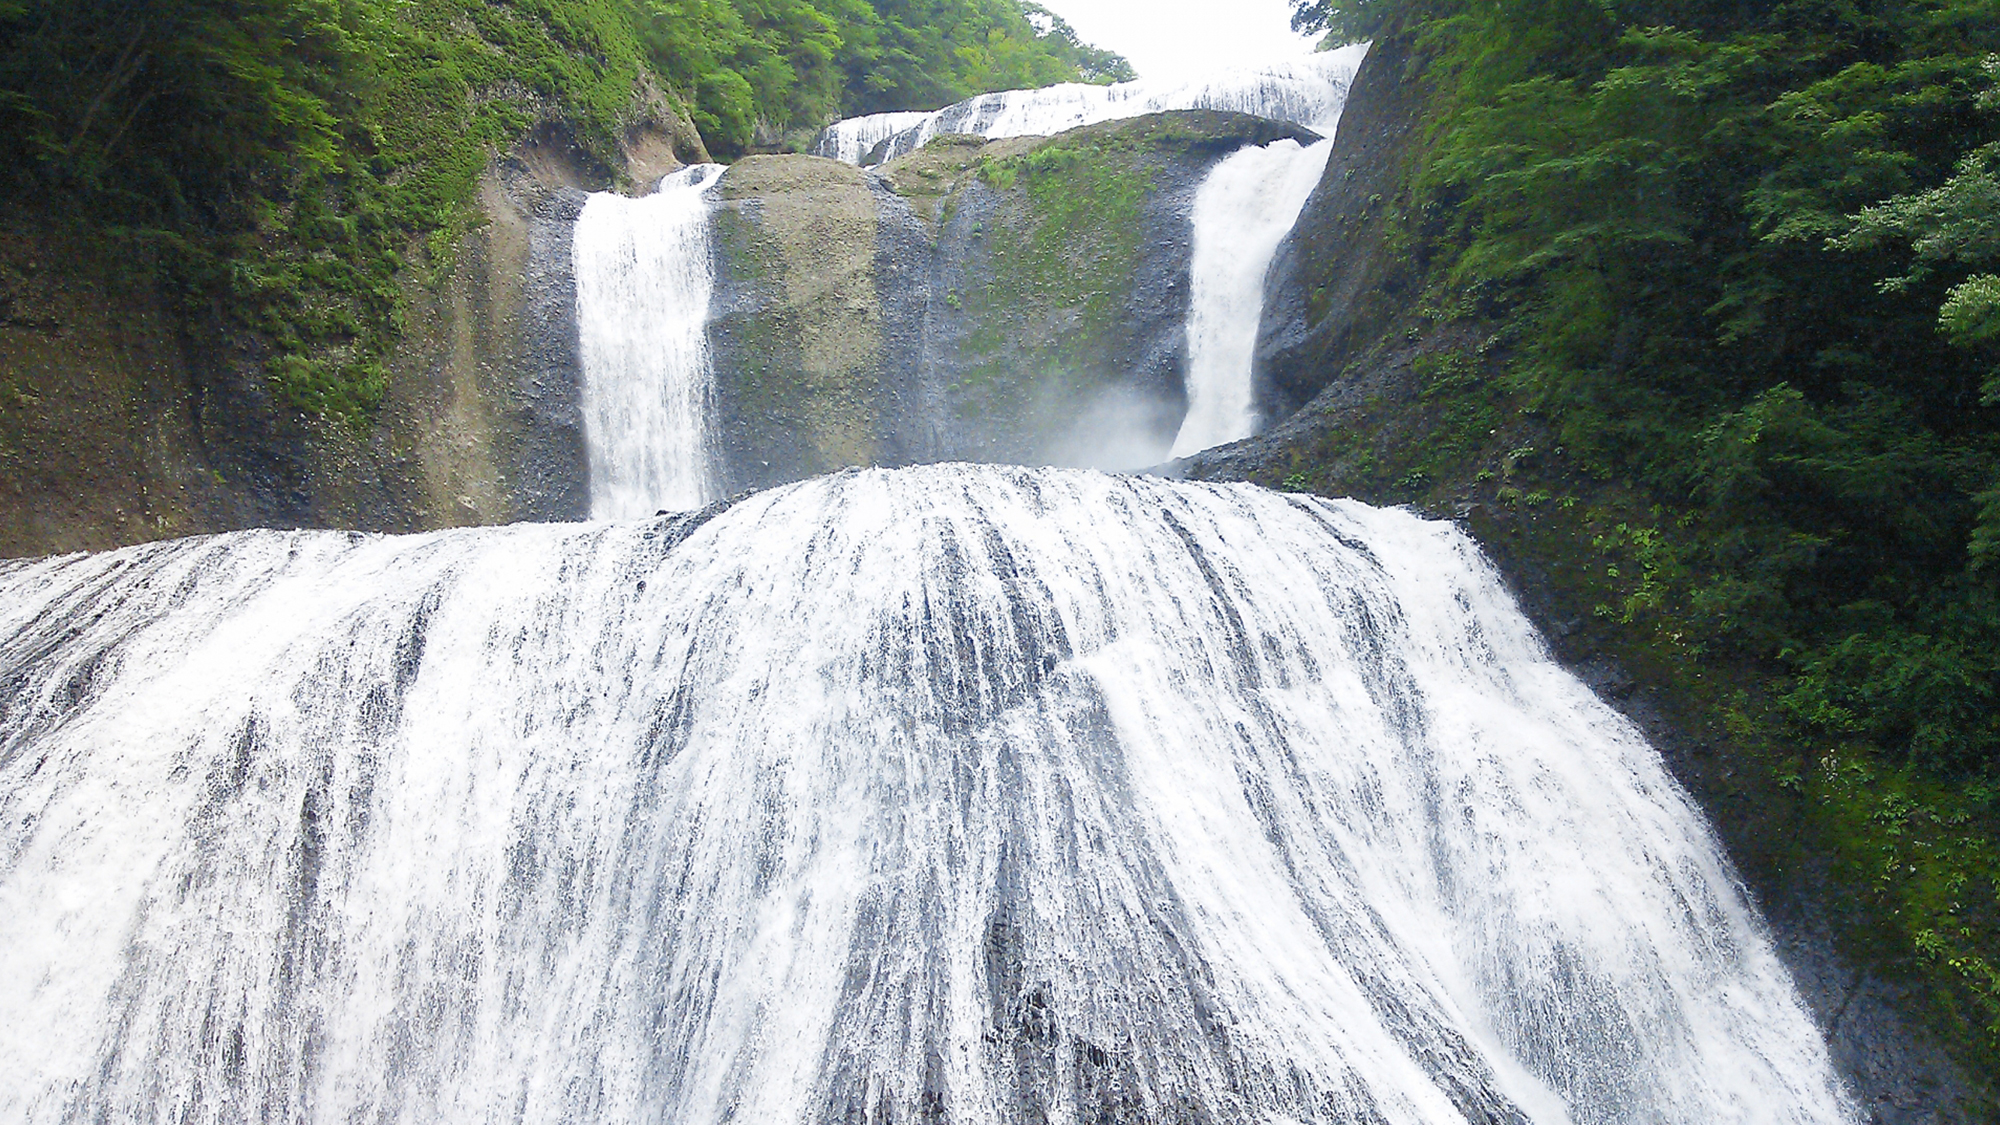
851 141
1308 92
949 794
643 281
1242 211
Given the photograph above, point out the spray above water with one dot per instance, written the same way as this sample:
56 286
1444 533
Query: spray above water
953 794
643 282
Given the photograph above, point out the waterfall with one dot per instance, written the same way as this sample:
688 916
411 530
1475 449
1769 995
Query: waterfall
851 141
1242 211
643 281
959 794
1308 92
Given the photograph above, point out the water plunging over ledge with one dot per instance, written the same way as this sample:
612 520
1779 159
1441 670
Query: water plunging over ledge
952 794
1244 209
643 280
1308 92
956 793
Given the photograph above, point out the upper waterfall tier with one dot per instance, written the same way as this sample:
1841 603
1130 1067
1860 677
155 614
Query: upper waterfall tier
945 794
643 282
1308 92
1022 300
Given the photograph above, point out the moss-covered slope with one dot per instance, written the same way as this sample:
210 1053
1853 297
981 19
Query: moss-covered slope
335 296
121 419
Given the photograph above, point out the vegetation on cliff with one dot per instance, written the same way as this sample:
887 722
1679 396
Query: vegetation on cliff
279 163
783 65
1720 278
1075 247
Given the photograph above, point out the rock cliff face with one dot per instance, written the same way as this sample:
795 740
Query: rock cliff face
1021 300
97 445
480 421
125 418
1334 284
797 323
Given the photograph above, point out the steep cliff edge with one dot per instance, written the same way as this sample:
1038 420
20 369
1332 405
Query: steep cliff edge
1336 282
1383 399
1020 300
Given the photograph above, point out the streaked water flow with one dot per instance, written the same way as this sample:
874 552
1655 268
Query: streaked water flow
851 141
941 794
643 282
1242 211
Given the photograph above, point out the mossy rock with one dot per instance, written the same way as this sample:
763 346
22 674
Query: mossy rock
1020 300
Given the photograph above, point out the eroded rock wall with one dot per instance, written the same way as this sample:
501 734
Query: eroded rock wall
1020 300
97 443
797 323
1335 283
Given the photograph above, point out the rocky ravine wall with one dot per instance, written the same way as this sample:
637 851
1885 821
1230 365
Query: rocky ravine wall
122 421
1340 361
1020 300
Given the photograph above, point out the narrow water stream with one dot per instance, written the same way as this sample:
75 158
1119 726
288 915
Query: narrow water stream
644 279
1243 211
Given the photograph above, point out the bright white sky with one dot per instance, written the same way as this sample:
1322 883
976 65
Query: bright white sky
1168 39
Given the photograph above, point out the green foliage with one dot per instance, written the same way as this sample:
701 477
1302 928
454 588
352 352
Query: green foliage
741 62
1955 222
281 161
1923 856
1742 260
1698 235
1971 313
176 105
